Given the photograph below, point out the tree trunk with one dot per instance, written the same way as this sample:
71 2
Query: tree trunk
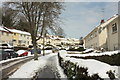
35 47
43 46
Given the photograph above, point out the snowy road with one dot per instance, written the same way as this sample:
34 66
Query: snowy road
10 67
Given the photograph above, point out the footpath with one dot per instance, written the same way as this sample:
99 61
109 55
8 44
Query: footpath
49 72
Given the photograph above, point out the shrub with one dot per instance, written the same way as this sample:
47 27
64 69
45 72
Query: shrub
111 75
78 49
74 72
113 60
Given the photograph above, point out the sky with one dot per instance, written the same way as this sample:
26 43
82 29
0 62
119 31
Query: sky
80 18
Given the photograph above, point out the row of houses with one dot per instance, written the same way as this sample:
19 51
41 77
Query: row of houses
105 36
14 37
21 38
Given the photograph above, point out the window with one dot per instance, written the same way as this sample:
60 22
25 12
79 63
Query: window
91 35
7 34
114 28
24 42
2 33
100 30
19 41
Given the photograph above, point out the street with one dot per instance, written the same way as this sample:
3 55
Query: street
8 68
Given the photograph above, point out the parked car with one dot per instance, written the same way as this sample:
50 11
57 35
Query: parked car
6 46
3 55
22 53
7 53
11 52
55 49
31 49
48 48
38 51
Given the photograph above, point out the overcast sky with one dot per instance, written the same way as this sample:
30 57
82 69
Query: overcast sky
81 17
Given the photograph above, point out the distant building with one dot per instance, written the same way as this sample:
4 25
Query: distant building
22 38
56 40
106 35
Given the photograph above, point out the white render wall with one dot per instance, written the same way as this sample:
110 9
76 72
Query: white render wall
106 38
118 32
112 37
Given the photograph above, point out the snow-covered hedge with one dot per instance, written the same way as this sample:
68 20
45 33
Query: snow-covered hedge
74 72
86 69
111 60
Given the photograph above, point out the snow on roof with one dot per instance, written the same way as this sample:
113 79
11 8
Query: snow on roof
18 31
2 29
104 24
14 30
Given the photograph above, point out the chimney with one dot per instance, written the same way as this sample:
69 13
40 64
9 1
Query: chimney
102 21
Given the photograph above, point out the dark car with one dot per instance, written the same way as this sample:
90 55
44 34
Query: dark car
11 52
38 51
5 54
6 46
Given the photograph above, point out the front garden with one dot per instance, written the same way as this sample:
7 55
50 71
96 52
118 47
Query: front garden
79 68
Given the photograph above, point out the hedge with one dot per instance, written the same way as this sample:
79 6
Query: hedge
74 72
113 60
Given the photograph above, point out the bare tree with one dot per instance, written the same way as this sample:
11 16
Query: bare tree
37 18
8 16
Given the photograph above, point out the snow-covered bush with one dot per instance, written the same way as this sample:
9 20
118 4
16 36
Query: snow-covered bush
76 49
74 72
109 59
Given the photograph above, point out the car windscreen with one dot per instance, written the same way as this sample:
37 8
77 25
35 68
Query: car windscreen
4 45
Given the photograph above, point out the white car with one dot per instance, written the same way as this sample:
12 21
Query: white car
5 46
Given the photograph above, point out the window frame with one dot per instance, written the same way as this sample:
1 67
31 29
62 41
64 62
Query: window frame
114 28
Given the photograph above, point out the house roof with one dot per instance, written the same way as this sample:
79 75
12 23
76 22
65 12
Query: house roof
13 30
103 24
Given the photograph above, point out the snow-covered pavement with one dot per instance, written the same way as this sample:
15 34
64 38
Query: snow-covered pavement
50 70
30 69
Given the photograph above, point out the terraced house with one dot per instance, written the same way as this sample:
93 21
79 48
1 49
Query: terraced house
105 36
22 38
5 36
14 37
